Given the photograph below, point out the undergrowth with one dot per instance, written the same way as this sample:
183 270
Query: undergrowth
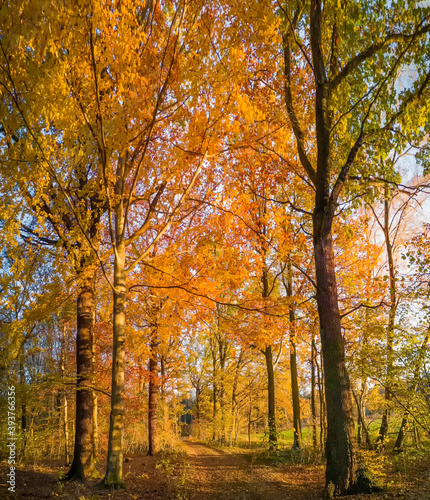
174 466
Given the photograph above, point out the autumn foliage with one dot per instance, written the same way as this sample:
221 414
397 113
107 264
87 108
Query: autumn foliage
214 222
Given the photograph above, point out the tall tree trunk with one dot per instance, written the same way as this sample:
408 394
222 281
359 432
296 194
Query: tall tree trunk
83 464
222 347
114 477
323 415
249 424
273 438
362 430
154 385
164 407
233 428
23 403
214 390
293 361
268 355
197 405
364 356
362 422
64 405
313 394
95 408
343 472
383 430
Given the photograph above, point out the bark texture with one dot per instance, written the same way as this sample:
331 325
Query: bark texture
154 386
297 443
114 468
268 356
342 465
313 394
383 430
83 463
271 417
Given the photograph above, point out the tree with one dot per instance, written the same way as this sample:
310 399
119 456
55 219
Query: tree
335 53
60 187
150 140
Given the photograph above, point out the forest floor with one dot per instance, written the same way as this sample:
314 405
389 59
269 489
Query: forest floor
196 471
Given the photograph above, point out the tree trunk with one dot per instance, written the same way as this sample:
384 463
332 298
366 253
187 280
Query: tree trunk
362 427
95 428
95 409
249 425
233 428
114 477
398 446
214 390
66 429
268 354
383 430
83 464
222 359
23 404
343 473
153 389
313 394
273 438
164 407
65 406
416 436
293 362
323 419
362 422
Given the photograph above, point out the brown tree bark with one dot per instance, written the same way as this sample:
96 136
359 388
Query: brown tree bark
268 356
83 464
64 406
23 404
153 389
214 390
383 430
297 443
271 415
342 466
323 416
114 468
222 349
234 403
313 394
95 407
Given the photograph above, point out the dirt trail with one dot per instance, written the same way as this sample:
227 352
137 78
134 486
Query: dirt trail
217 475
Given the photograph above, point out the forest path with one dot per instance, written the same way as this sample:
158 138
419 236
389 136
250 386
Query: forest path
225 475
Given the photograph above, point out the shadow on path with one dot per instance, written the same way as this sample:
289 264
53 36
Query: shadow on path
218 475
